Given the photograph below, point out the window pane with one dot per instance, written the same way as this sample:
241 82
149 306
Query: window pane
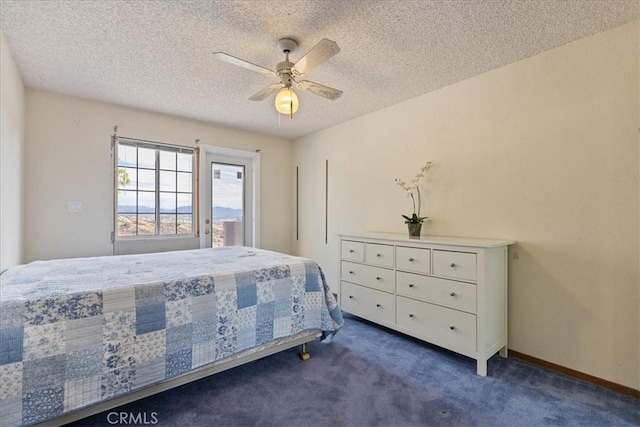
167 224
126 178
126 225
126 201
146 225
167 181
184 203
184 224
184 182
167 160
146 158
167 202
126 155
146 202
184 162
146 179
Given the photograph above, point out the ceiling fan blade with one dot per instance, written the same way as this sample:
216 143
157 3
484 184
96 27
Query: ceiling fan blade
324 50
263 93
318 89
225 57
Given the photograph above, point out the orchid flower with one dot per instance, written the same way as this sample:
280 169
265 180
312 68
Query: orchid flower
415 218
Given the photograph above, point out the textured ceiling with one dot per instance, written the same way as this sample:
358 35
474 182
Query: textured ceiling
157 55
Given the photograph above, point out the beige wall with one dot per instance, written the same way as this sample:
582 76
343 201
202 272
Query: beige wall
543 151
11 159
68 159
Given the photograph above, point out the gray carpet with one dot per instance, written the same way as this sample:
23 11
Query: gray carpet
371 376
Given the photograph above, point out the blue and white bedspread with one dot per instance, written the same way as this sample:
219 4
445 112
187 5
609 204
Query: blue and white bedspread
79 331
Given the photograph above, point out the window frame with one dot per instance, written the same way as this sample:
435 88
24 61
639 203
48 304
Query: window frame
158 147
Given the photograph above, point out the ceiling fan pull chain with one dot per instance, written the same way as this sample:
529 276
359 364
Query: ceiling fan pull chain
290 103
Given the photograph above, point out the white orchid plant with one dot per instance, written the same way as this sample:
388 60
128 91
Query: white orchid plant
413 191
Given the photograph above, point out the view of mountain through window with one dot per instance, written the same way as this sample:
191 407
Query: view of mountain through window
154 190
227 207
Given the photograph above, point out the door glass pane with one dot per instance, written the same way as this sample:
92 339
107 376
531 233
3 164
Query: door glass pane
227 205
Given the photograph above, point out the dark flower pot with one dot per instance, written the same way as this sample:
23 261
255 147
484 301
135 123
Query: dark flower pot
414 229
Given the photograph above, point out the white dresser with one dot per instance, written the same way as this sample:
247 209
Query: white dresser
449 291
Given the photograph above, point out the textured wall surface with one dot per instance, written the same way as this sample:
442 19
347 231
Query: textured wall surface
544 152
11 159
68 159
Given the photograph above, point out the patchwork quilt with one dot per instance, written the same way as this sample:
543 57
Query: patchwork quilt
79 331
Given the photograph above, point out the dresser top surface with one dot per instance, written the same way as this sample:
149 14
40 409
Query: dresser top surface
434 240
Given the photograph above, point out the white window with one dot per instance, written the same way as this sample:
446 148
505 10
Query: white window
154 190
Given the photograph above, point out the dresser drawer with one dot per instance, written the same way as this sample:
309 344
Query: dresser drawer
458 265
367 302
353 251
448 293
376 254
366 275
443 326
413 259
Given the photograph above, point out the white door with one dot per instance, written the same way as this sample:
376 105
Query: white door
228 201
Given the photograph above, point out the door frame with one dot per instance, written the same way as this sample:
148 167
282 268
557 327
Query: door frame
254 220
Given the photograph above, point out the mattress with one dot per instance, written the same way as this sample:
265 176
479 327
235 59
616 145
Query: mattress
76 332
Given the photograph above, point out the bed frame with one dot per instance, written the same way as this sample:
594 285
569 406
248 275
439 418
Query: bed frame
194 375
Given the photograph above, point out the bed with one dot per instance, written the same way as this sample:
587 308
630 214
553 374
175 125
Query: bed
80 336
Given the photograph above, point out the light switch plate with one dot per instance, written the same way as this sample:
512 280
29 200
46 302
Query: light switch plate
75 206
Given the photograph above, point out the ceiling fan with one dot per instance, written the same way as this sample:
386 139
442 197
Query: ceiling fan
286 101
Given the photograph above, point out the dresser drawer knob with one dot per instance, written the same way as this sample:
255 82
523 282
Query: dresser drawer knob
453 294
378 278
350 296
351 251
378 255
453 328
410 259
351 272
411 285
377 305
453 264
410 314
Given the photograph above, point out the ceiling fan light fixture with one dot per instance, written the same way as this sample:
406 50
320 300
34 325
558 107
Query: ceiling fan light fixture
287 101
